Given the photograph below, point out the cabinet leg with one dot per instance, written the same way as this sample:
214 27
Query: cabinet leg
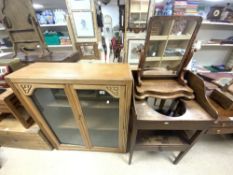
132 144
193 140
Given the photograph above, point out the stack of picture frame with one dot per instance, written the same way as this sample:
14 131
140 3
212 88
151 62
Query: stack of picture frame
82 15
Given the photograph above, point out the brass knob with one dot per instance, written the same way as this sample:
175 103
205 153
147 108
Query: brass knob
218 131
166 123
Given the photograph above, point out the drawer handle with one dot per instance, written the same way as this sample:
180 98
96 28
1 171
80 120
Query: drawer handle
166 123
218 131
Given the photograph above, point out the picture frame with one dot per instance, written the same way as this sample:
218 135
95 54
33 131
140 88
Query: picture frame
134 46
80 4
88 50
83 21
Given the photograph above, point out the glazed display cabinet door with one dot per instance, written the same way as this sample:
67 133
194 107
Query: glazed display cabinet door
102 110
56 113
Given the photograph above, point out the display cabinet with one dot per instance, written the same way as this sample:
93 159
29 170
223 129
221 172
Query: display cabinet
138 13
78 106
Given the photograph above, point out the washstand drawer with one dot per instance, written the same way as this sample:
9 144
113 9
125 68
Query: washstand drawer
220 130
175 125
223 123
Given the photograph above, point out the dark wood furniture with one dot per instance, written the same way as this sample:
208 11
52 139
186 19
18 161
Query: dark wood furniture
224 122
167 52
162 125
170 108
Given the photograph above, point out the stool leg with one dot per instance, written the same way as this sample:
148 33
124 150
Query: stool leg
193 140
132 143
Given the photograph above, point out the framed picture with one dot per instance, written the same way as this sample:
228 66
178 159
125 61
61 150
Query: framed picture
80 4
83 22
134 50
88 50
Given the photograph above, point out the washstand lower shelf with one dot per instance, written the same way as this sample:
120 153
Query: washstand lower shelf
161 140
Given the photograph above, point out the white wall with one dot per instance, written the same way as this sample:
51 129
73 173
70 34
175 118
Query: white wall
112 10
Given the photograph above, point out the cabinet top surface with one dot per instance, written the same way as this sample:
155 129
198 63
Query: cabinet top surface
62 72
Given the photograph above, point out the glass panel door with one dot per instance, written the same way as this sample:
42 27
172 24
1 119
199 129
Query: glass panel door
101 112
56 111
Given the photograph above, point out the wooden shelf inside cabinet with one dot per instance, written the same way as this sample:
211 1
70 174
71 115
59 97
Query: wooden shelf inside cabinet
95 97
94 124
101 105
62 121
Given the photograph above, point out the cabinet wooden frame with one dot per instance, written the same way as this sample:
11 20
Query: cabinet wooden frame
122 108
40 119
78 115
76 78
